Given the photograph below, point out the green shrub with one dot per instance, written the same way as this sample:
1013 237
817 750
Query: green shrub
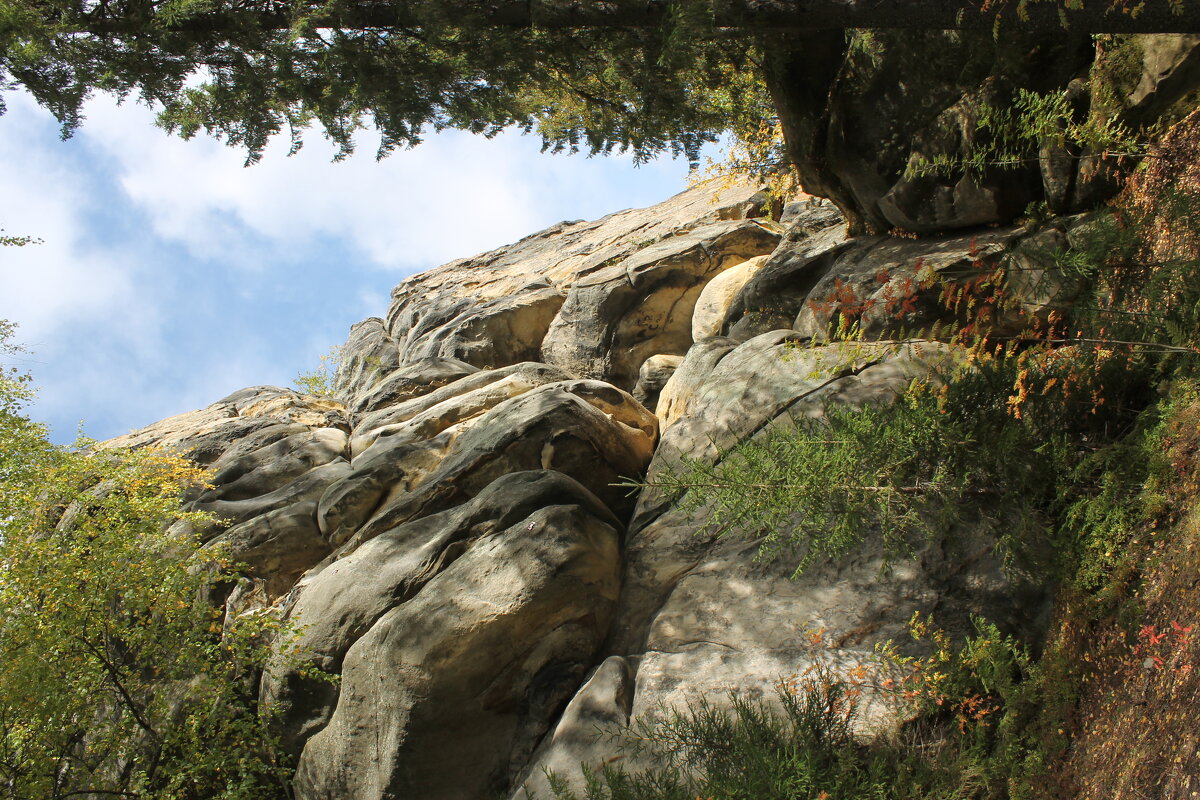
986 444
323 379
116 677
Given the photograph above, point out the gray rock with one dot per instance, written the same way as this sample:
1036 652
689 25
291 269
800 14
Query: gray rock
450 540
890 287
270 470
271 458
334 607
600 708
653 376
700 617
687 378
718 295
809 214
447 692
774 294
617 317
492 333
309 486
259 464
368 355
866 123
455 404
906 97
730 393
417 377
278 546
589 430
205 435
1170 71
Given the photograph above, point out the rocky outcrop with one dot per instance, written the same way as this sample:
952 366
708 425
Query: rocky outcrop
460 539
701 617
1003 279
496 308
587 429
617 317
871 142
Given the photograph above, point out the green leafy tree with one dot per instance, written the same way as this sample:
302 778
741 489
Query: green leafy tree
116 677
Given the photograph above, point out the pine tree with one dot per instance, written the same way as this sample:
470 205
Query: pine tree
637 75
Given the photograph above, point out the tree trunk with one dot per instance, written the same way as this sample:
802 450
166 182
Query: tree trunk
800 69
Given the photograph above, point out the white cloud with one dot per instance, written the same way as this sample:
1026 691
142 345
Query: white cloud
171 275
454 195
66 277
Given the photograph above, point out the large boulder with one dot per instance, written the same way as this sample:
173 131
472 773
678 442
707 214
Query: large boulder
617 317
718 295
457 638
589 430
773 294
495 309
494 332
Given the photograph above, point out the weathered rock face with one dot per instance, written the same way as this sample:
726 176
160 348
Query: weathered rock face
457 638
814 283
590 430
496 308
700 617
455 538
617 317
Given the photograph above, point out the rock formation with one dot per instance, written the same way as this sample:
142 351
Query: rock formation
866 140
455 536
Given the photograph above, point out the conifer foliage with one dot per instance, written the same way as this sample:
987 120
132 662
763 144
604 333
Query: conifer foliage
628 75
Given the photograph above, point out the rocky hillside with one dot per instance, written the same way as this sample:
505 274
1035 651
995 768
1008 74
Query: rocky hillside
454 534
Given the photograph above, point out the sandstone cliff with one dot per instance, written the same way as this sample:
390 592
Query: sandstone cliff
452 533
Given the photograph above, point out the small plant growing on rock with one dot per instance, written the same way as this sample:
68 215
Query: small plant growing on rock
323 379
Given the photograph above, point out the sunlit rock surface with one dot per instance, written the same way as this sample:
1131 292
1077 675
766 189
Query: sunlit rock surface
457 534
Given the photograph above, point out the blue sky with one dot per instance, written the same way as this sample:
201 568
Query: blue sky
171 275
